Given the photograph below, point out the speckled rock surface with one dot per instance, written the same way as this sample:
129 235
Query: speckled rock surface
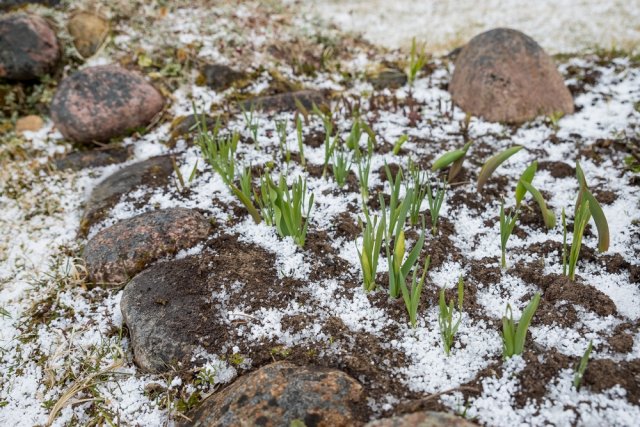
29 48
8 4
281 393
119 252
78 160
388 78
103 102
423 419
285 101
503 75
153 172
220 77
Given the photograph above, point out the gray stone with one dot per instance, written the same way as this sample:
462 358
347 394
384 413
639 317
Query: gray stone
119 252
503 75
103 102
285 101
153 172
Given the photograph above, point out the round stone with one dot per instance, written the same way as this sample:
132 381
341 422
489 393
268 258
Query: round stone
103 102
88 32
126 248
28 47
503 75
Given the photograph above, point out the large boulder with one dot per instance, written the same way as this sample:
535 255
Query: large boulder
29 48
282 394
103 102
119 252
503 75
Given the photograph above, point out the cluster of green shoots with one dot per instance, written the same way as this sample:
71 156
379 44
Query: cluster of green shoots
287 209
514 335
448 328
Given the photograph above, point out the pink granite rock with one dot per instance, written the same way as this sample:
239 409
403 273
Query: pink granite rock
29 48
100 103
503 75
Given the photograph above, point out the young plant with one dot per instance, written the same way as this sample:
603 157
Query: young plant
454 159
527 176
435 203
329 146
417 60
514 335
399 267
582 367
579 224
596 210
507 223
448 328
395 206
564 243
364 168
245 182
288 209
372 237
411 296
341 166
399 143
547 215
493 163
419 184
281 129
300 141
251 123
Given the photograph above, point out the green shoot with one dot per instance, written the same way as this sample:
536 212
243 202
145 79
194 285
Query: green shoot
564 243
329 146
527 176
245 182
596 210
417 60
372 236
398 270
251 123
547 215
493 163
398 144
395 207
448 329
411 296
4 313
341 166
288 210
454 159
300 141
364 168
435 203
353 140
418 183
582 367
514 335
507 223
580 222
281 129
554 118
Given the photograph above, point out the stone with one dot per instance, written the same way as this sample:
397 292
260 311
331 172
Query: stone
29 48
153 173
503 75
280 394
186 125
119 252
422 419
29 123
169 309
285 101
103 102
88 32
9 4
220 77
79 160
391 78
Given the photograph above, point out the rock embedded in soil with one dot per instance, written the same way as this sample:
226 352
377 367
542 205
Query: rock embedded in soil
8 4
79 160
422 419
285 101
29 48
103 102
169 309
88 32
153 172
29 123
503 75
119 252
391 78
281 394
219 77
